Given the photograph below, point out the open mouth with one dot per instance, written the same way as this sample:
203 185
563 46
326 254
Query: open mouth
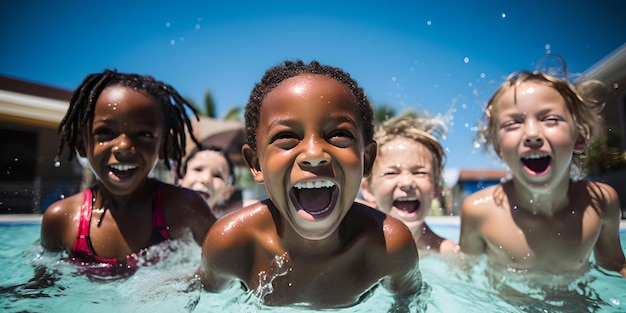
536 163
122 171
316 198
408 205
204 195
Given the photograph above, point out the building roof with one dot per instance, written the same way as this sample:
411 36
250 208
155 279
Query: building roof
28 103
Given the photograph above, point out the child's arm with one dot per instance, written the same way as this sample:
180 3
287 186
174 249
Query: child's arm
405 280
224 256
471 241
55 226
608 251
199 215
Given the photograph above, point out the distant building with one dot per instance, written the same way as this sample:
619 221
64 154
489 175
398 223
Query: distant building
29 116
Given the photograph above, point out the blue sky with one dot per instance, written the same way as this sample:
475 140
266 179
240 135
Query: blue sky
445 57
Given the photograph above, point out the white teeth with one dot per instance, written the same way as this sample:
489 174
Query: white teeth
122 167
407 199
315 184
535 156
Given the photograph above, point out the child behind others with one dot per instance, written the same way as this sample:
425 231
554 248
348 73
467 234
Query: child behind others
211 172
406 177
309 140
541 220
123 124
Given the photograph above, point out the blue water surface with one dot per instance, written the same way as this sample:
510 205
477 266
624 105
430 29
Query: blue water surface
169 286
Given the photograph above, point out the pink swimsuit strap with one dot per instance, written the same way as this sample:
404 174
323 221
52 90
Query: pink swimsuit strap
83 252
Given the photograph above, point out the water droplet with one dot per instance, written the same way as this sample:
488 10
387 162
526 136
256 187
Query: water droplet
172 42
429 23
503 15
558 234
466 60
168 24
57 164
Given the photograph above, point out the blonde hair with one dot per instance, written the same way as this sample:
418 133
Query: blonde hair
584 100
413 127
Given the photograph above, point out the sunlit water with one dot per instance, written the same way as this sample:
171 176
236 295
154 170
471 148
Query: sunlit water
169 286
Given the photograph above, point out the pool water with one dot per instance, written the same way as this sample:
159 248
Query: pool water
168 286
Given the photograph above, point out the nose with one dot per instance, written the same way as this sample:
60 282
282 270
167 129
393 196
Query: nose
407 184
533 134
314 154
123 145
535 141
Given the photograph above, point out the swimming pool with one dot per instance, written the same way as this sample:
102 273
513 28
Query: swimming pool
165 287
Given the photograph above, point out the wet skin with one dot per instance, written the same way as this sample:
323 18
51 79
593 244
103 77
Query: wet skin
310 131
541 220
402 184
122 147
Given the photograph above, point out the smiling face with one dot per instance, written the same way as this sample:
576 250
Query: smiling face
310 152
208 173
535 134
403 182
125 139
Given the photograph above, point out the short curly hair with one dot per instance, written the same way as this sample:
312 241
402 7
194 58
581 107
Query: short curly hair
277 74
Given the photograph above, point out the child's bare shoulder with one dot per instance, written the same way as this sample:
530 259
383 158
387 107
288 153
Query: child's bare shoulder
242 225
396 234
483 200
64 207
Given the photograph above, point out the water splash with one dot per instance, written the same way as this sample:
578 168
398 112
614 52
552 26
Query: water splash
252 301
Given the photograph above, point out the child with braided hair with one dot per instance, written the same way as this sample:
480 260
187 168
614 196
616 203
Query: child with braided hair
123 124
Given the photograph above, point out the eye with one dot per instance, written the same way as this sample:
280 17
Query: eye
421 173
103 134
218 175
341 138
285 140
552 120
510 125
389 173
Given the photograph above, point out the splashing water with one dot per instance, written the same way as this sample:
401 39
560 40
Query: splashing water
253 301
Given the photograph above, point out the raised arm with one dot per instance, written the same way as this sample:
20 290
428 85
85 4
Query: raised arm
608 251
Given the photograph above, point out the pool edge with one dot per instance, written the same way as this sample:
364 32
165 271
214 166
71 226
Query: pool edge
36 219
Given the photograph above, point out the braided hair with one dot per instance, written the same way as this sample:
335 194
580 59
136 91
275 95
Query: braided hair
288 69
83 102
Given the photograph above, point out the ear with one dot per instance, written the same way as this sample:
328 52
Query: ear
365 191
581 143
251 159
228 193
80 147
369 156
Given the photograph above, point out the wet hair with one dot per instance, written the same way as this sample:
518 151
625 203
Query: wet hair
418 129
220 150
277 74
584 100
173 106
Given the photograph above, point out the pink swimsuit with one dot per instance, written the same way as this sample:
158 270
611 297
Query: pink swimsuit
83 253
